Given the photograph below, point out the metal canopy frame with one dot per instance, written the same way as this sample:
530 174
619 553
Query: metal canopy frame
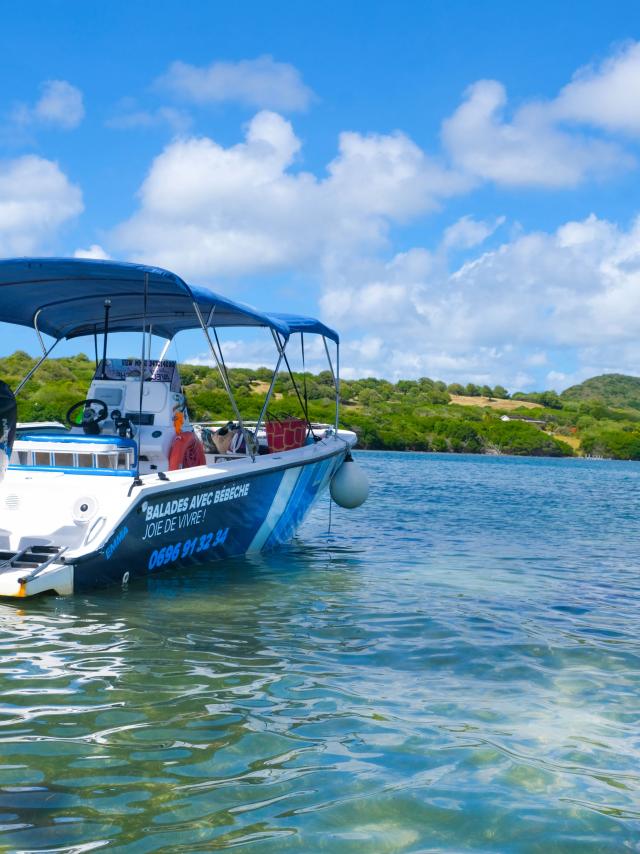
281 347
281 341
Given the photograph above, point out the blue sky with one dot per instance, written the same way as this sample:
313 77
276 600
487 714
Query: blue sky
452 185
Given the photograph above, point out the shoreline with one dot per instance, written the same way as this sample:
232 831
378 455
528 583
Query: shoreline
574 457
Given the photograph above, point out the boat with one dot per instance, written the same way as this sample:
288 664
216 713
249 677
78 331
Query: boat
132 486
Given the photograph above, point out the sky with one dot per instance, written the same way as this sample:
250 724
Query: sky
453 186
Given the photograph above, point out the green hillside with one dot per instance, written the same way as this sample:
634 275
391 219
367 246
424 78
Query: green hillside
610 389
422 415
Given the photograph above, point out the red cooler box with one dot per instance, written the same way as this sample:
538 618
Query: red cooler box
285 433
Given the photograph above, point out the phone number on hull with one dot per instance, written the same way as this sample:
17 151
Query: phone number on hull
197 545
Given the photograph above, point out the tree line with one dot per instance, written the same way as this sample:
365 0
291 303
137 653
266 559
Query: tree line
421 415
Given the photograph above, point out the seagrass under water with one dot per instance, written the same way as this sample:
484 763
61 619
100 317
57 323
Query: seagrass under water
455 667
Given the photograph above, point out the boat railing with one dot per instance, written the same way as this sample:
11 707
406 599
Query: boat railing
251 425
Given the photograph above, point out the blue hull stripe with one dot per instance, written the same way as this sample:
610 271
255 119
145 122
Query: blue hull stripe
307 489
198 523
278 507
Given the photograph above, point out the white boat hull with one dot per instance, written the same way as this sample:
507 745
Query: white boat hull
97 531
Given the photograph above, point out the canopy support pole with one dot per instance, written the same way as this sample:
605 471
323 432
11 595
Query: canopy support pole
295 385
335 374
223 377
226 373
35 326
105 337
337 384
95 346
304 381
222 362
263 411
163 353
19 388
137 480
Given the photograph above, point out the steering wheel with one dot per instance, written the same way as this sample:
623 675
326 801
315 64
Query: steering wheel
90 418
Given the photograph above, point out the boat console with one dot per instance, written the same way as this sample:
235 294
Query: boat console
115 423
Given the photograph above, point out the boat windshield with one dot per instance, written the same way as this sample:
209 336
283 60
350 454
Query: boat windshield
155 370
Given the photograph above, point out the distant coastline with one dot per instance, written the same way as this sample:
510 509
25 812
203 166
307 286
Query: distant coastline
598 418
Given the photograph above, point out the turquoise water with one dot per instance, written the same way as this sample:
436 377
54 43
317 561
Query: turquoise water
455 667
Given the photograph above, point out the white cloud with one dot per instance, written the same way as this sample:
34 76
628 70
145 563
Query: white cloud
576 291
537 359
36 198
209 210
129 116
468 232
206 210
94 251
559 379
243 353
389 175
607 95
60 105
529 150
261 82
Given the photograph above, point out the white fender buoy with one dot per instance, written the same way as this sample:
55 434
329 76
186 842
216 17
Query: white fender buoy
349 486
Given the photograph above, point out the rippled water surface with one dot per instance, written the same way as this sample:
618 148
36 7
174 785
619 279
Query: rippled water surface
454 667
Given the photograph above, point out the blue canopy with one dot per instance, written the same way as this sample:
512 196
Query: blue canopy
64 298
299 323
